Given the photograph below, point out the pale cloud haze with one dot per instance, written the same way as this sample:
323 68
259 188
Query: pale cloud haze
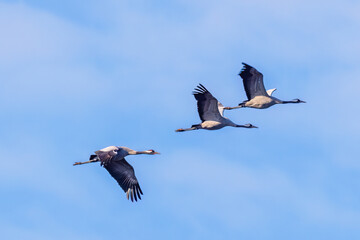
77 77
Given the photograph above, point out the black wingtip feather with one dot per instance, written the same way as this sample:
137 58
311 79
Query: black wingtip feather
245 71
140 190
200 89
135 193
132 195
246 65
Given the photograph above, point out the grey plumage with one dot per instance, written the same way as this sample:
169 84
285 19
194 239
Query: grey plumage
207 104
253 82
124 174
112 158
255 90
210 112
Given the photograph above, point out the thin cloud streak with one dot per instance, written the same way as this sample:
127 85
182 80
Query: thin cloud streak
70 87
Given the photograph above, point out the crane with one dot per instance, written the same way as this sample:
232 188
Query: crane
112 158
210 112
257 96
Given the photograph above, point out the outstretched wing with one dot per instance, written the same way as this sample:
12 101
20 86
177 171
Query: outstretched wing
207 104
124 174
253 82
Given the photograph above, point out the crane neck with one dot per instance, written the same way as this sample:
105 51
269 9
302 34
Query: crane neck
291 101
139 152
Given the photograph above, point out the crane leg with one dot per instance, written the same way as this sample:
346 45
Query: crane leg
80 163
185 129
231 108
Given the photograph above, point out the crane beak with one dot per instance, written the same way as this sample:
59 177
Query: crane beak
152 152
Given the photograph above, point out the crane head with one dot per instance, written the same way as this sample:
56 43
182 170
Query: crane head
249 125
299 101
151 152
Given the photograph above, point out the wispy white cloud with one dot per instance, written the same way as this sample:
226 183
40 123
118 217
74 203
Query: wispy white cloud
251 192
109 82
35 36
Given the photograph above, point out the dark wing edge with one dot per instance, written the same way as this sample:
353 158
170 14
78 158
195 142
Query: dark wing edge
203 97
253 81
124 174
200 91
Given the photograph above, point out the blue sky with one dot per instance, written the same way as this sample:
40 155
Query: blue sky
78 77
